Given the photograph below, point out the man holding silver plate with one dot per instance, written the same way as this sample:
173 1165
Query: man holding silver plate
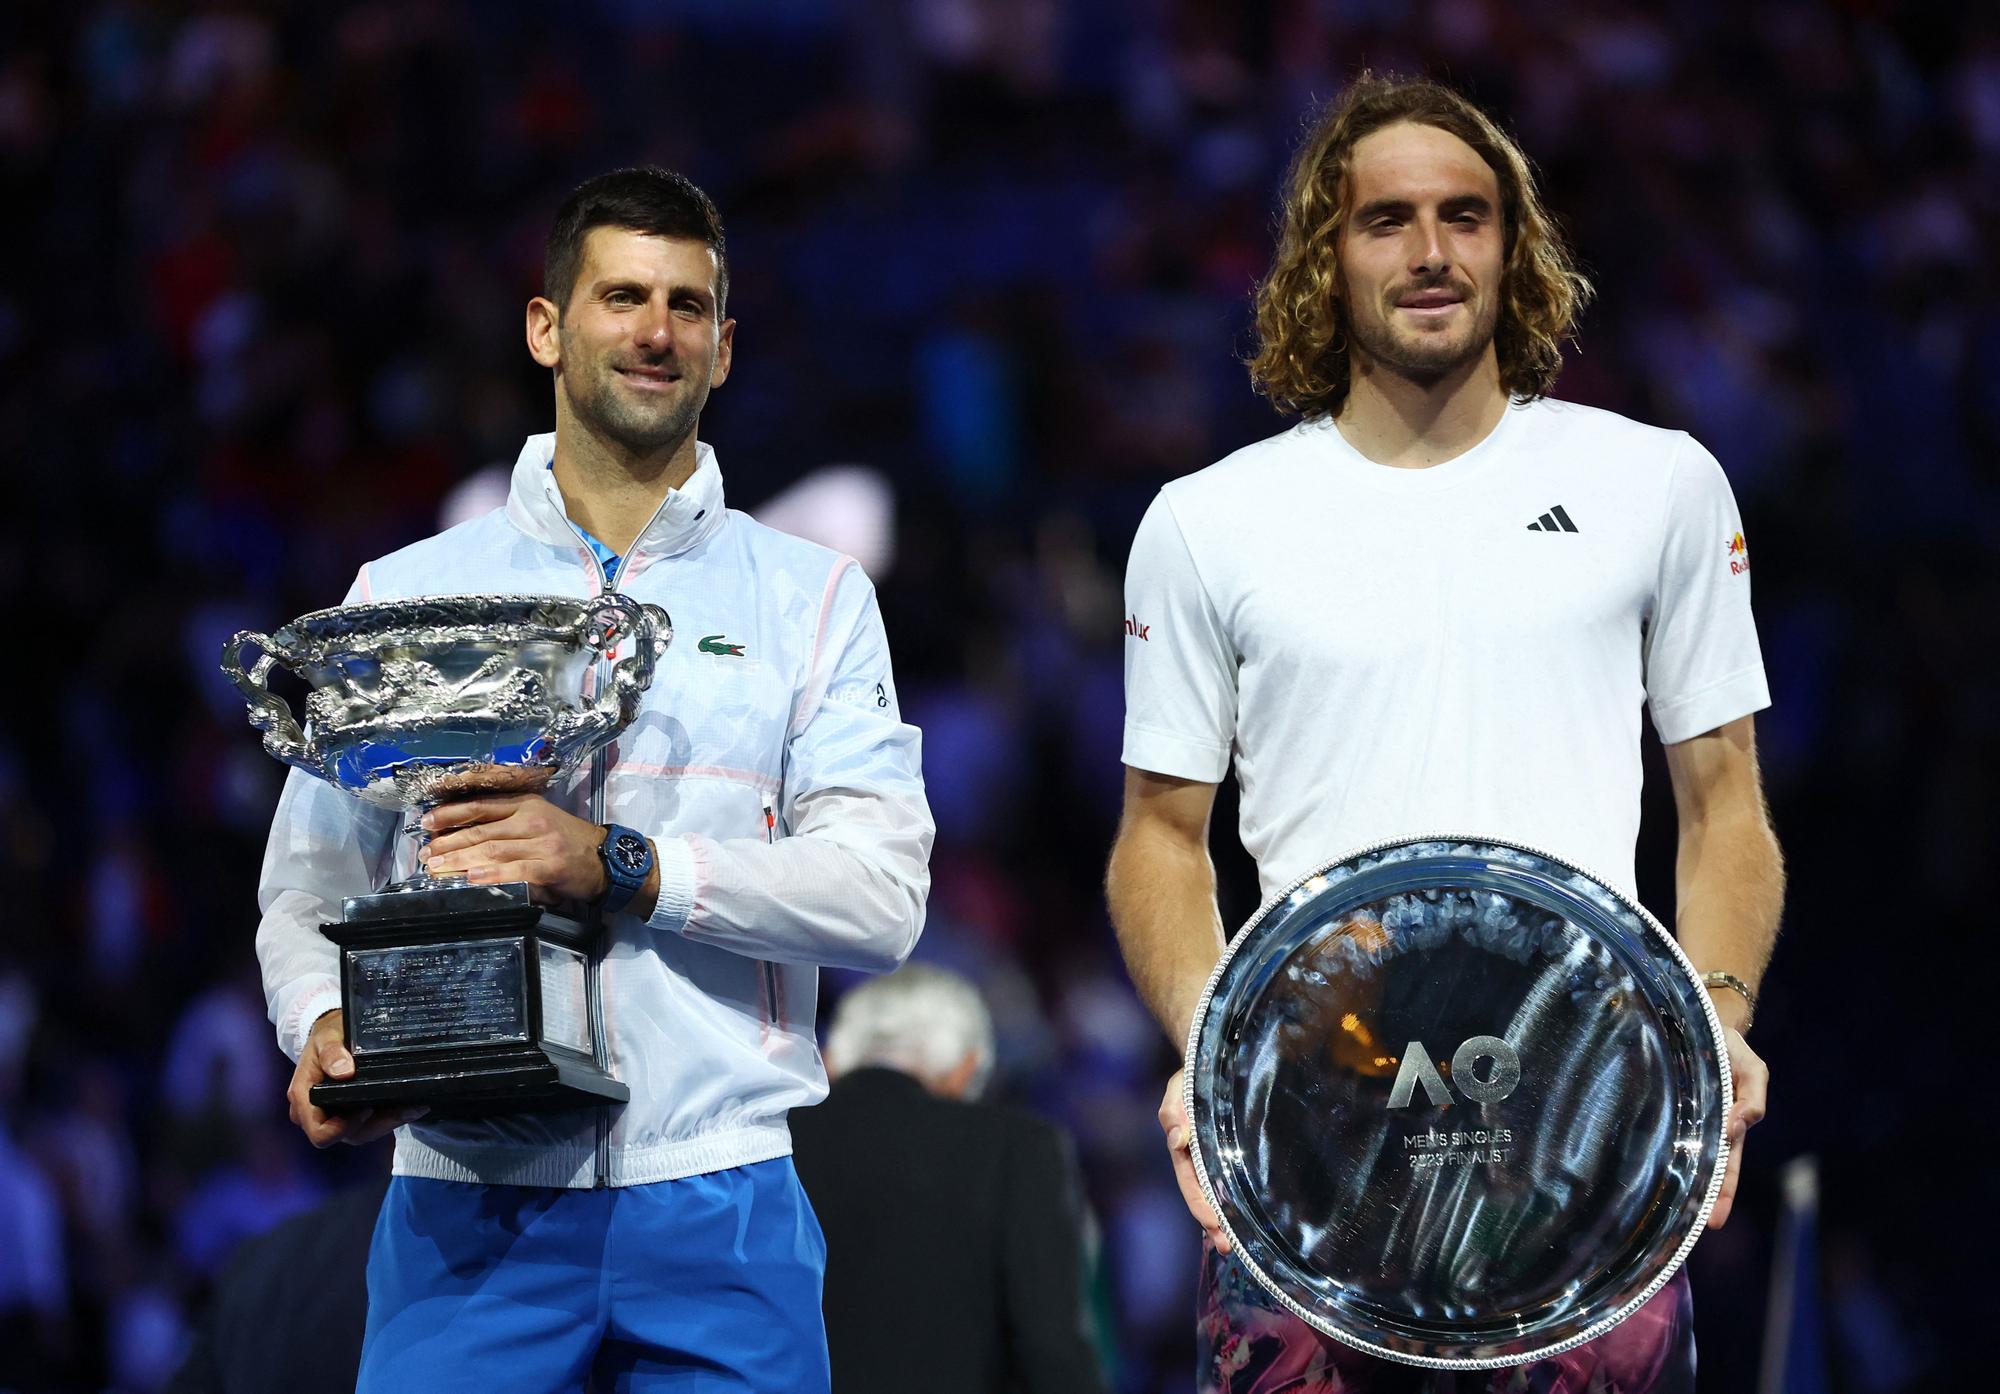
1456 1101
759 811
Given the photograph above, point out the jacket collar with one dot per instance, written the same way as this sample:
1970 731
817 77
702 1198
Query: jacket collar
689 515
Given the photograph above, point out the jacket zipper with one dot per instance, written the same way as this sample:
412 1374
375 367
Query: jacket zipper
600 774
771 969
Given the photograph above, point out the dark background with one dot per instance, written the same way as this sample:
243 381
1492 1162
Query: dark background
260 312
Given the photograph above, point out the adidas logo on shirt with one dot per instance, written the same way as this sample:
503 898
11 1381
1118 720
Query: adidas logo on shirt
1555 520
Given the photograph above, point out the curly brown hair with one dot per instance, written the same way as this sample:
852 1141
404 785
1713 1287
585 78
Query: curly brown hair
1301 362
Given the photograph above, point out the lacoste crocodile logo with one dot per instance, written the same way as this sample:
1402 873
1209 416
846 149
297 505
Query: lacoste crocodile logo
715 643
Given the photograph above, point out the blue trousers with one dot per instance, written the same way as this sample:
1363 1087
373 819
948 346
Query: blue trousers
699 1286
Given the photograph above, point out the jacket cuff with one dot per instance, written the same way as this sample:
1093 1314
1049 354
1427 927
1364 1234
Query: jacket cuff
308 1010
677 884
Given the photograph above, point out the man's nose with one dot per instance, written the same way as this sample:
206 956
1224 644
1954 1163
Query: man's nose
655 331
1431 258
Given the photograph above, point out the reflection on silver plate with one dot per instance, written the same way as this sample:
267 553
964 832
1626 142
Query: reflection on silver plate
1457 1102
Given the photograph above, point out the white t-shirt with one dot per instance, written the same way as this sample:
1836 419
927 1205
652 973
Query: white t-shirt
1460 649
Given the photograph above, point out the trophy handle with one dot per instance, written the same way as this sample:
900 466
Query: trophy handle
612 616
268 712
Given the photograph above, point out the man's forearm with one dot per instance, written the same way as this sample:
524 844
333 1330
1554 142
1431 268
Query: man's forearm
847 889
1161 889
1730 888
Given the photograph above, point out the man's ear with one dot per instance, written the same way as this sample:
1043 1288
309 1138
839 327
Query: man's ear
725 353
545 332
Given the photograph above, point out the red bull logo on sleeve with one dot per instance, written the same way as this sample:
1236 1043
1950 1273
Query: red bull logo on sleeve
1739 555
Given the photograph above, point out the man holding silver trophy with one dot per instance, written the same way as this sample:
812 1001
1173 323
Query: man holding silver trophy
761 813
1429 612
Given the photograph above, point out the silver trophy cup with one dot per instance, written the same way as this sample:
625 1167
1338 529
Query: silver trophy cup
468 1000
1458 1103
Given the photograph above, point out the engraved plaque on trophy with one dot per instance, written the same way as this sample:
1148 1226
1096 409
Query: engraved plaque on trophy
1457 1102
467 999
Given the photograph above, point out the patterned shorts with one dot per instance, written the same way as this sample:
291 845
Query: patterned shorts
1247 1344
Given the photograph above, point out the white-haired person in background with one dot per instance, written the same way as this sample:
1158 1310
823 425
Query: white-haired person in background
954 1228
925 1022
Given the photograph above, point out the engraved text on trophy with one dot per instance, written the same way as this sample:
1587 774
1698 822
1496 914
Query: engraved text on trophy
464 993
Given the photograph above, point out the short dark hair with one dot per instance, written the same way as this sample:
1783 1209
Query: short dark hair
644 198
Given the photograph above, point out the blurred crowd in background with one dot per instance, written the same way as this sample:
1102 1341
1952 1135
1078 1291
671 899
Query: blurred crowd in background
261 315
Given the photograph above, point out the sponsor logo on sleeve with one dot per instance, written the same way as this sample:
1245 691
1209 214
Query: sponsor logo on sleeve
1739 555
861 694
1135 630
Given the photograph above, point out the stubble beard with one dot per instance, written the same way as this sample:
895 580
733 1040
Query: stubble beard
639 428
1427 358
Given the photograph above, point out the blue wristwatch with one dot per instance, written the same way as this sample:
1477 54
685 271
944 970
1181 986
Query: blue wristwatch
628 861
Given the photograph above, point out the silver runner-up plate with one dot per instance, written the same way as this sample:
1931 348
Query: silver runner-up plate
1457 1102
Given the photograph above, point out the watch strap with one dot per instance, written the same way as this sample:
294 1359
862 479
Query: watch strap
1718 978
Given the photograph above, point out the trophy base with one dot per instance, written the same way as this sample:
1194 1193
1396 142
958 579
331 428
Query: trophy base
475 1084
470 1001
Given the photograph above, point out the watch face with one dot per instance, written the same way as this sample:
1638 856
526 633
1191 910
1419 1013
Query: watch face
628 853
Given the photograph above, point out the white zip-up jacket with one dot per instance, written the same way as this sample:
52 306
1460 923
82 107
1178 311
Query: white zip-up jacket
775 695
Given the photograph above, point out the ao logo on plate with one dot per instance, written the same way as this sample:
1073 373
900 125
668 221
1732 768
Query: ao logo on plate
1417 1069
